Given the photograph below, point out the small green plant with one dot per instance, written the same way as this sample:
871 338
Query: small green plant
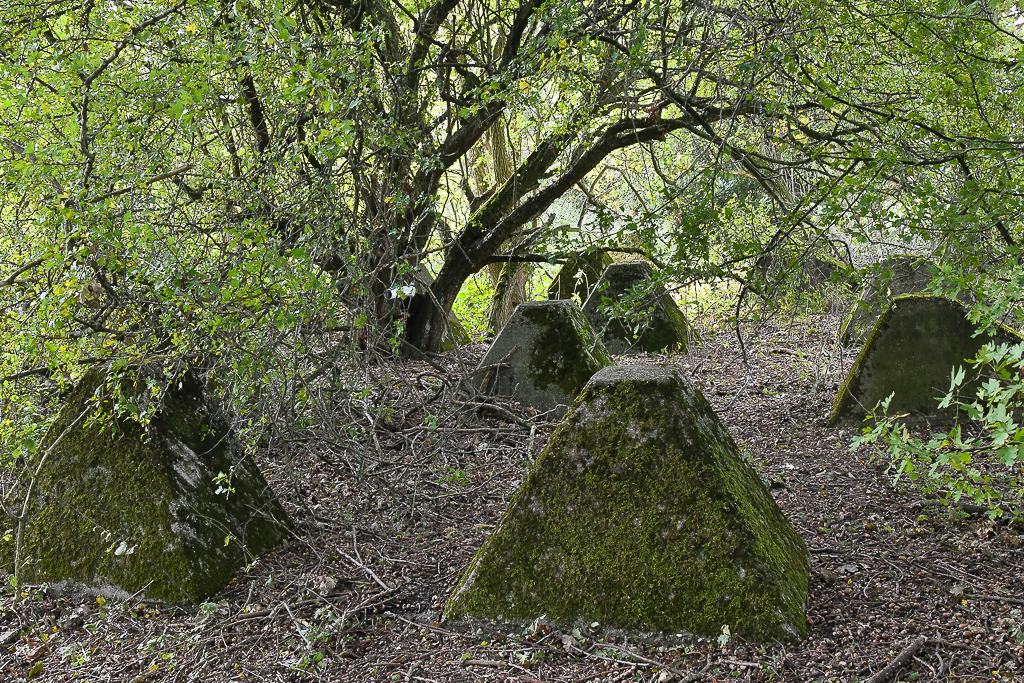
223 482
472 304
76 656
982 464
455 475
309 661
1017 631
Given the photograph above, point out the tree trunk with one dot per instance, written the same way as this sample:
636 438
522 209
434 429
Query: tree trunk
509 278
427 321
511 290
505 213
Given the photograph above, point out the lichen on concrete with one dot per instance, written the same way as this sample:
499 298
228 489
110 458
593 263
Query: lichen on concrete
116 510
641 514
549 352
917 341
663 325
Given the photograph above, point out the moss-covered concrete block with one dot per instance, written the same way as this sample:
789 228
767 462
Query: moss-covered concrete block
455 334
663 326
120 512
896 275
579 275
819 271
641 514
547 352
915 344
799 270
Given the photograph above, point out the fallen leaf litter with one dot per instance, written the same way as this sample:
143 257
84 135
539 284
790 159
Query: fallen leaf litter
356 594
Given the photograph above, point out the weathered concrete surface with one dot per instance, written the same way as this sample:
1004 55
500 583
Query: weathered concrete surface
455 334
819 271
897 275
910 352
550 352
579 275
641 514
801 271
663 325
136 513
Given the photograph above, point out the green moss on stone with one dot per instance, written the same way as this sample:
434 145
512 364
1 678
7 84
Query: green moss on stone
900 274
909 352
664 325
641 514
844 328
456 334
549 352
566 352
99 487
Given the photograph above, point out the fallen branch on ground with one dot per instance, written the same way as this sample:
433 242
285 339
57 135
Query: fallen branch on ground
896 664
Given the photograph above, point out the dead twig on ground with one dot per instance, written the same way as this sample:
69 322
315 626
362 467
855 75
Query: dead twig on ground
897 664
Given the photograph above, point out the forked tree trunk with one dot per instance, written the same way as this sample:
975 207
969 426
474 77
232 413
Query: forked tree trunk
509 279
510 291
505 213
427 321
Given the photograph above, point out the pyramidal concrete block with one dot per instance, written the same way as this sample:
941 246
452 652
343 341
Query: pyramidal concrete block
915 344
641 514
455 335
798 269
896 275
579 275
117 511
663 326
543 356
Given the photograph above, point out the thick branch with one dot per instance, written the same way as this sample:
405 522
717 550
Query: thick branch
895 665
622 134
155 179
528 258
472 129
428 26
256 115
13 277
561 258
526 178
514 39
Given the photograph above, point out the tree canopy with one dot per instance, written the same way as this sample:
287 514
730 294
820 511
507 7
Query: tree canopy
231 185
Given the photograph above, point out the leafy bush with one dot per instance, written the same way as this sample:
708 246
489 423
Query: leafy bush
471 305
980 460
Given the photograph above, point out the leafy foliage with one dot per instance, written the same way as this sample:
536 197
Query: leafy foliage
240 189
981 461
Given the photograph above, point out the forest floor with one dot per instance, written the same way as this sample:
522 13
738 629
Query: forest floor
356 594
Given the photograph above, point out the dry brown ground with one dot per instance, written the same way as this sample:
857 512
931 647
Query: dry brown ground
355 595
